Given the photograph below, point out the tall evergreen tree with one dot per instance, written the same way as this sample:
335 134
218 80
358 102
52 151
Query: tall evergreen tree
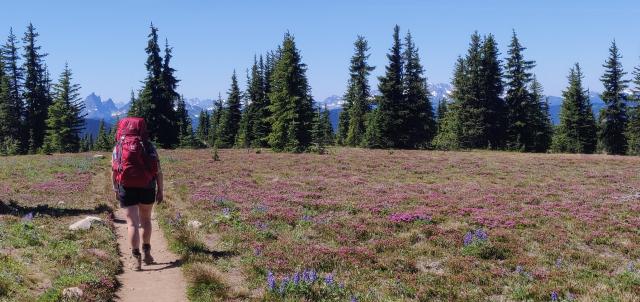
357 97
134 106
13 97
186 137
157 98
418 121
5 105
65 117
633 126
492 88
291 103
259 98
576 132
391 102
216 117
36 96
520 104
539 119
230 120
343 121
613 118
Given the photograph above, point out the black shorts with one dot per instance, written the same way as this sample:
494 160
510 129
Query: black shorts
134 196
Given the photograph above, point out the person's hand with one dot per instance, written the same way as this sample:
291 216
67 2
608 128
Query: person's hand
159 196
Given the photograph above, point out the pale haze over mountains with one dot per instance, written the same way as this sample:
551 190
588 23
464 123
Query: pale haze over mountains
108 110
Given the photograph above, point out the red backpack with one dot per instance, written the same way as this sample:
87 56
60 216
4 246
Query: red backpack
134 160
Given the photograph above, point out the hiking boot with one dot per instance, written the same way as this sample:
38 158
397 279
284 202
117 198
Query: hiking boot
136 260
148 259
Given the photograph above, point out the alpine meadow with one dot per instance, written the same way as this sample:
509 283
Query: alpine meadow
480 186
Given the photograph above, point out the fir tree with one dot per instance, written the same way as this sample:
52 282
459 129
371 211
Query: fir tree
35 90
216 117
539 119
357 97
418 121
373 137
65 118
492 88
258 96
245 134
391 102
322 131
230 120
632 132
343 120
185 130
13 97
449 126
156 100
291 103
103 141
576 132
134 106
613 118
520 104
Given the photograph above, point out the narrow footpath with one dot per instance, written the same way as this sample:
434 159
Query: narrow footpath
158 282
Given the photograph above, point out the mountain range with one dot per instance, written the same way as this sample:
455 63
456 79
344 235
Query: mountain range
107 110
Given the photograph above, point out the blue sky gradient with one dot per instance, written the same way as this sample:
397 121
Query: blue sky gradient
104 41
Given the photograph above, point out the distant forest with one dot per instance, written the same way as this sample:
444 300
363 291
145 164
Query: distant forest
495 104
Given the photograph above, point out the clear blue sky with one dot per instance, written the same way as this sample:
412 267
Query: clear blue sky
104 41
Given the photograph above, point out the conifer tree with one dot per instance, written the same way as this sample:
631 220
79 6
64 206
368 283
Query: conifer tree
576 132
216 117
65 119
492 88
373 137
441 111
343 121
322 131
418 121
449 125
539 119
469 95
156 100
291 103
202 131
391 102
520 104
357 96
13 97
632 132
613 118
185 133
258 96
230 120
245 134
35 92
134 107
103 141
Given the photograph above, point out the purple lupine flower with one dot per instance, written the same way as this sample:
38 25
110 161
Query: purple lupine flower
313 276
631 267
554 296
28 217
306 218
519 269
468 239
257 251
283 285
328 279
271 281
226 211
353 299
558 262
296 278
481 235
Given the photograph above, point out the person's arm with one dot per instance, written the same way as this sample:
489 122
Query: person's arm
160 183
114 183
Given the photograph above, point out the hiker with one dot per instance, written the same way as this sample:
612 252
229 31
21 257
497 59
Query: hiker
136 174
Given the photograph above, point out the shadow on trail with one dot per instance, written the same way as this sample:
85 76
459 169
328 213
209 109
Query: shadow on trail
15 209
165 265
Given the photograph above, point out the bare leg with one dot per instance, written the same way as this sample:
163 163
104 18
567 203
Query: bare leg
145 222
133 223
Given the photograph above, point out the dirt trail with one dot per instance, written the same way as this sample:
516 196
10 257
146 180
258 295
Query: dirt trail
157 282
